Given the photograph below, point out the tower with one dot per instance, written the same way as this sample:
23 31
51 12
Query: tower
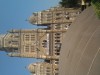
30 43
54 15
43 68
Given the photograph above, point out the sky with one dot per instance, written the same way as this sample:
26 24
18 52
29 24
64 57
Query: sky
13 15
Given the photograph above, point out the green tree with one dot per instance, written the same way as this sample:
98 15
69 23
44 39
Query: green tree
96 6
69 3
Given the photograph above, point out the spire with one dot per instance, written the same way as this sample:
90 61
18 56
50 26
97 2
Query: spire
38 31
32 55
24 55
32 67
1 41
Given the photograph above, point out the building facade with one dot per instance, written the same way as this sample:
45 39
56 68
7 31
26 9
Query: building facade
35 43
43 68
41 43
55 15
56 18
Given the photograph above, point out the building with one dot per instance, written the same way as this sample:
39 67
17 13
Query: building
48 41
9 43
31 43
41 43
34 43
56 18
55 15
1 42
43 68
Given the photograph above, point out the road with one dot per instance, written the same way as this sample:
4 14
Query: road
80 53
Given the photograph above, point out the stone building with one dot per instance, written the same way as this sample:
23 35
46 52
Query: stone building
56 18
31 43
41 43
36 43
9 43
55 15
43 68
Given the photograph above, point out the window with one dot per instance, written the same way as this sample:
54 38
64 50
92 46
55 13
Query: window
44 43
57 34
56 62
26 48
15 49
16 36
67 17
58 14
32 48
32 37
44 40
57 37
48 70
45 46
14 42
57 53
56 69
57 40
48 67
58 18
57 50
27 37
58 27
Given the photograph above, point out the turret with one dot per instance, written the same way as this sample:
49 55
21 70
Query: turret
30 55
1 41
38 31
43 68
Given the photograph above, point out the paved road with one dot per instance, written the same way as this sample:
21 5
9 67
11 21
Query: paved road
80 53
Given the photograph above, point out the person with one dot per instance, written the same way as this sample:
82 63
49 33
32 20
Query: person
83 5
89 2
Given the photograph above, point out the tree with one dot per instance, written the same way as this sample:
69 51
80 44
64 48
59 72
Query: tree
69 3
96 6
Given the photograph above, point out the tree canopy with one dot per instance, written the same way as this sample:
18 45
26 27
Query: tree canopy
96 6
69 3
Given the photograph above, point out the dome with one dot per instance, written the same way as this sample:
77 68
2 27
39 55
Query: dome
32 67
33 19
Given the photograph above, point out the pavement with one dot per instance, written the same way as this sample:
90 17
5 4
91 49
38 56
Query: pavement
80 53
